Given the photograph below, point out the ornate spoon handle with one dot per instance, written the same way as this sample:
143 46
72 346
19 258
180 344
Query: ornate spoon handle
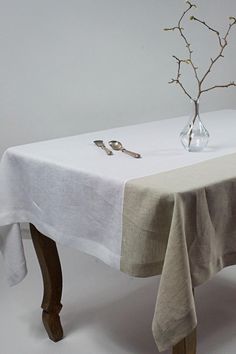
131 153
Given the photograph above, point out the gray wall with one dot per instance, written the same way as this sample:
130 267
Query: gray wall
71 66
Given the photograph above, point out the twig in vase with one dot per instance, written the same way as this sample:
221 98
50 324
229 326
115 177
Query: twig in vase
223 43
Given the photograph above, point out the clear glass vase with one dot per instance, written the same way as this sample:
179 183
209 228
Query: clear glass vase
194 136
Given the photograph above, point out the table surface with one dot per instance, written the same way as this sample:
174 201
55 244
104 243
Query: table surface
83 186
158 142
73 192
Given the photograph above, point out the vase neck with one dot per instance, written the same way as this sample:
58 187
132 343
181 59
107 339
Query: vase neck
195 108
195 116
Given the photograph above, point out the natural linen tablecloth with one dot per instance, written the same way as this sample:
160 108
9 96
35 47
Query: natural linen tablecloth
171 212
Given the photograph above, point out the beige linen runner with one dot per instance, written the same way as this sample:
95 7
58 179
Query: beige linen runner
182 224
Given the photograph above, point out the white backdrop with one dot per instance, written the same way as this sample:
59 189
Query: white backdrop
71 66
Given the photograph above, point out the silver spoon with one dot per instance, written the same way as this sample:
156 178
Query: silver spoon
101 144
116 145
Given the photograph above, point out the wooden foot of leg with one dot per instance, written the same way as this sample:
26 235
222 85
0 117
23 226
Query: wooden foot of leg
188 345
49 262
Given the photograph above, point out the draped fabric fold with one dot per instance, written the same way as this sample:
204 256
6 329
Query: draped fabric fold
180 224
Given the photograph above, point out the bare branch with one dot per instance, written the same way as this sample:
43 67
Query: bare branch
219 86
170 29
185 91
188 45
223 42
177 80
220 55
189 60
210 28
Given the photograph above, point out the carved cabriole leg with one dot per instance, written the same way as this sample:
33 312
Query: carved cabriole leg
49 262
187 346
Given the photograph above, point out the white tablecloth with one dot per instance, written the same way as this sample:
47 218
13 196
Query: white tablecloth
73 192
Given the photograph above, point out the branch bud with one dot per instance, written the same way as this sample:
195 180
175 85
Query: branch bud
190 4
232 18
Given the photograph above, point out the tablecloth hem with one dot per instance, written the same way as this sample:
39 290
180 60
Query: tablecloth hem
89 247
99 251
141 270
181 327
224 261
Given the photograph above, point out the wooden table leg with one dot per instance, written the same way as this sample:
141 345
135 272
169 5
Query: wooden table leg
188 345
49 262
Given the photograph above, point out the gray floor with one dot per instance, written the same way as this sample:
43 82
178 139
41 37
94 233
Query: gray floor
107 312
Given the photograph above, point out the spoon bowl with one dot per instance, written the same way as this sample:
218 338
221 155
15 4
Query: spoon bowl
116 145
